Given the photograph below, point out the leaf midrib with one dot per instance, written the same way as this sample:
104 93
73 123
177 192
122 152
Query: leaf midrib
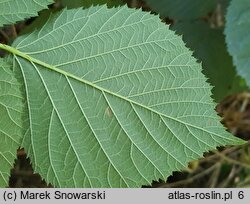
50 67
55 69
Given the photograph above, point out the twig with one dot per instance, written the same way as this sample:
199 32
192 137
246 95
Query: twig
232 161
231 175
245 183
215 156
189 180
215 175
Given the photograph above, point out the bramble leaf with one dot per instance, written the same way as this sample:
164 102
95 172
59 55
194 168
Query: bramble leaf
237 36
115 99
12 11
11 129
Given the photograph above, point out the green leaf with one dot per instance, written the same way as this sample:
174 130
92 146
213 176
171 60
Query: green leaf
237 36
88 3
11 108
182 10
115 99
210 48
12 11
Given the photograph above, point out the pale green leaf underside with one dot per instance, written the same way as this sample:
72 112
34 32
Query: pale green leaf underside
115 99
11 108
12 11
237 36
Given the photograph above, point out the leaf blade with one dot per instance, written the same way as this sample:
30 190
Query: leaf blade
12 11
11 128
102 105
